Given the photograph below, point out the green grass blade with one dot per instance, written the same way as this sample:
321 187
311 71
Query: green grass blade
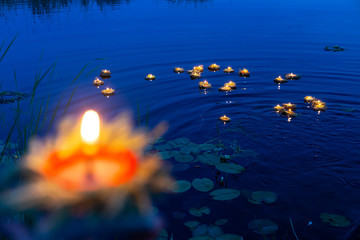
7 49
54 114
9 136
15 78
68 103
79 73
92 70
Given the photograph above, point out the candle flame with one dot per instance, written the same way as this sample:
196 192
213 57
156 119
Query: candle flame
90 127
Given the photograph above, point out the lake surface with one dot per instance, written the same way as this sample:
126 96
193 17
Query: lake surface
311 162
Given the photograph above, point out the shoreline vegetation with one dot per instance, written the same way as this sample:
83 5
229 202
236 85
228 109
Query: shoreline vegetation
29 115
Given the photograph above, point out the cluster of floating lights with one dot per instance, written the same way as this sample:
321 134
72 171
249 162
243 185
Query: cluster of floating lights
196 71
104 74
316 104
286 109
288 76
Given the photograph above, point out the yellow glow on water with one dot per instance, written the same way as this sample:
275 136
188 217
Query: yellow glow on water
90 127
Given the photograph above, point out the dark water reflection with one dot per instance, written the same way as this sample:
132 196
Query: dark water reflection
311 162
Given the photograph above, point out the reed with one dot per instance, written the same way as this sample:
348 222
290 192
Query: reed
32 116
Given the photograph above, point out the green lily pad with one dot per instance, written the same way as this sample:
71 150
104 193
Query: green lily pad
7 97
263 226
167 154
200 230
229 237
203 184
335 220
190 148
191 224
198 212
225 194
163 147
230 167
207 147
214 231
180 186
259 197
207 158
178 142
221 221
183 158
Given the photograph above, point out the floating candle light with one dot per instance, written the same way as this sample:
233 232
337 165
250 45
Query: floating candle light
108 92
225 88
89 165
231 84
244 73
199 69
178 70
320 107
228 70
292 76
316 101
224 119
278 108
214 67
309 99
289 106
204 85
195 75
150 77
97 82
288 113
104 74
279 79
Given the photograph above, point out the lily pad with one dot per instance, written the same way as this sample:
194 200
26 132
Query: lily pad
183 158
203 184
225 194
200 230
198 212
263 226
167 154
229 237
209 159
190 148
230 167
180 186
335 220
7 97
191 224
163 147
214 231
207 147
259 197
221 221
179 142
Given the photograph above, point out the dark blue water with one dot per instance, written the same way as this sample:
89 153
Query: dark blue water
311 162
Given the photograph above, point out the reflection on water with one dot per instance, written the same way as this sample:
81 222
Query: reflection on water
39 7
310 161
